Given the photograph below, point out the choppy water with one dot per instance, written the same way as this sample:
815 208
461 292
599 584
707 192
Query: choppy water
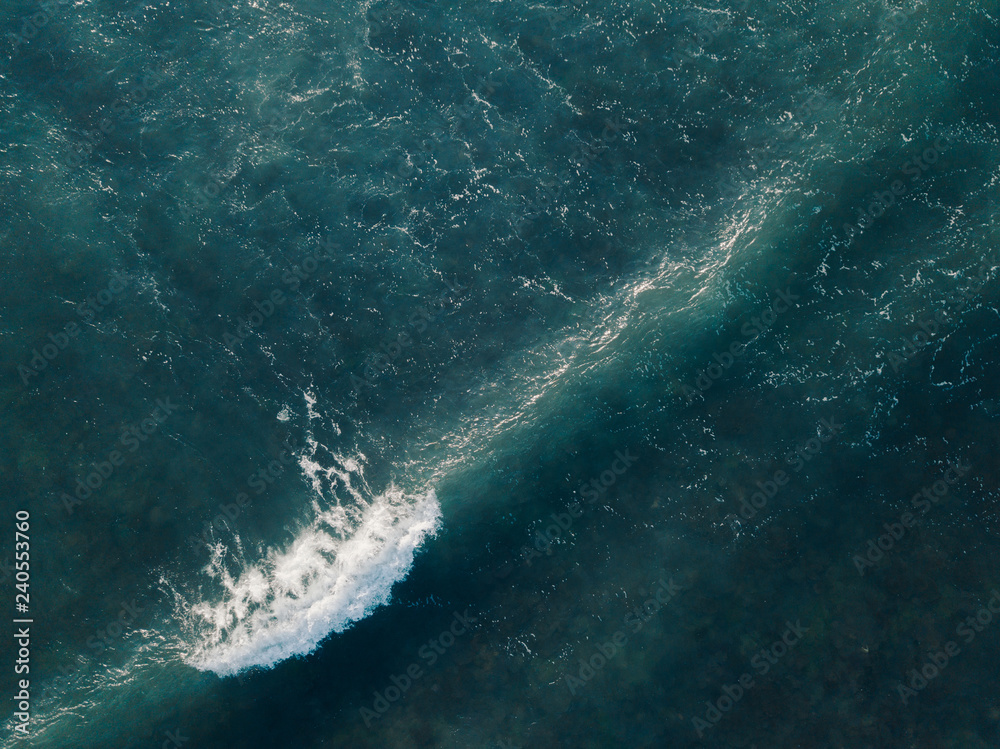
496 374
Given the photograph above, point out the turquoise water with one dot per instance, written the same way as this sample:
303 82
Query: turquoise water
502 375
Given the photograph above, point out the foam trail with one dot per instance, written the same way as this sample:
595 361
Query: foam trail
338 569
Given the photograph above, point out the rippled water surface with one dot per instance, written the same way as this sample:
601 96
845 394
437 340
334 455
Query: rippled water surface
502 375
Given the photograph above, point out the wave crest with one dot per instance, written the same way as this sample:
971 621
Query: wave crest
335 572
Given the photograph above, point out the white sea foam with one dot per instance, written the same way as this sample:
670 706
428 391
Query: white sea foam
336 571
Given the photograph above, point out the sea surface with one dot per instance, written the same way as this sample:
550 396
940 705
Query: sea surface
501 374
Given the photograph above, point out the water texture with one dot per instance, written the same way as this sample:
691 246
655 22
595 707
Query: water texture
495 374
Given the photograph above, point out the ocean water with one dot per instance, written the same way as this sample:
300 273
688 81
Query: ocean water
501 374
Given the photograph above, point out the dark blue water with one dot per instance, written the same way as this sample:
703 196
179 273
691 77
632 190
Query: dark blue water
501 375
